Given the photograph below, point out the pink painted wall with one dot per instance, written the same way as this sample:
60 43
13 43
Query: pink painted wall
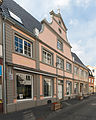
50 38
55 26
47 68
21 60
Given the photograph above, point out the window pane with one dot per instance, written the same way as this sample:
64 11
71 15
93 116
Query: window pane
18 45
59 45
47 57
47 87
24 86
27 48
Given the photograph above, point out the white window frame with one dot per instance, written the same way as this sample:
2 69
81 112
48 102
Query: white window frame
60 63
51 87
60 47
18 100
31 44
45 57
76 70
68 65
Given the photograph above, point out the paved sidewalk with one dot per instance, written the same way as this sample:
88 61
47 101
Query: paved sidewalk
38 113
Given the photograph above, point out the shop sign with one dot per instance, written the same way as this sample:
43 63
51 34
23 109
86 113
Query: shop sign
0 70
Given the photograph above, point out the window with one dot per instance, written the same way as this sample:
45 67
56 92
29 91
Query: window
86 74
89 80
81 73
60 63
92 80
47 57
59 30
59 22
27 48
15 17
59 45
47 87
22 46
68 88
75 70
68 67
75 88
24 86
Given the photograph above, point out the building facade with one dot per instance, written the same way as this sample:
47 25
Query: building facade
93 70
40 66
91 83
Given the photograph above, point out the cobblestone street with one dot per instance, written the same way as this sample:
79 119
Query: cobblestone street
72 109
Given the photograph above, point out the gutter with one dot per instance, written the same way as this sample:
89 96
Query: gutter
4 71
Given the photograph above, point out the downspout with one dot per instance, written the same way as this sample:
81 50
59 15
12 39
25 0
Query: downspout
4 72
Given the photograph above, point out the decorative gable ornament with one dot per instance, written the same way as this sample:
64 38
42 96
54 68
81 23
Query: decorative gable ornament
1 1
36 31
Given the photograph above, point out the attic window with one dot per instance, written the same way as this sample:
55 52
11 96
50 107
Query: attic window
15 17
59 22
59 30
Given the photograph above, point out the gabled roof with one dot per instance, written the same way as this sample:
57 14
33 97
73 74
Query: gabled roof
28 21
77 60
58 15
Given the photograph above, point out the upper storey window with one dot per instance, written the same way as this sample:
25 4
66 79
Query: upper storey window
68 67
59 22
22 46
47 57
60 31
60 45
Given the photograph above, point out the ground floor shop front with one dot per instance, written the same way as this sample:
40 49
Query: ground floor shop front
28 88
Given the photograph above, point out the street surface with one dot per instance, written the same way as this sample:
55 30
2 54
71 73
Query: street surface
72 110
83 111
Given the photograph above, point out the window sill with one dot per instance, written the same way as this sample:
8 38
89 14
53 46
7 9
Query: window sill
25 100
48 97
47 64
68 71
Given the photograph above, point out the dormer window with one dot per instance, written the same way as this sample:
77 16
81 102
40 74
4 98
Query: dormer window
59 30
15 17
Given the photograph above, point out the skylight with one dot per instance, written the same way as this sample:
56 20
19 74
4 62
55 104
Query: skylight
15 17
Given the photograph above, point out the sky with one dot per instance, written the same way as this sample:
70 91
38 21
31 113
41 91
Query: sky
80 19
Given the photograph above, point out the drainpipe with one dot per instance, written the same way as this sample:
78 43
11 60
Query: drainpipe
4 75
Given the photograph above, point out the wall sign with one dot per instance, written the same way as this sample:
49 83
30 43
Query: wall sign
0 70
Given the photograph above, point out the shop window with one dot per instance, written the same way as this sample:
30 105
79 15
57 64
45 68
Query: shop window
75 88
68 88
22 46
24 86
47 87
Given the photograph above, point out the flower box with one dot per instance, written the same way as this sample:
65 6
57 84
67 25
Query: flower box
56 106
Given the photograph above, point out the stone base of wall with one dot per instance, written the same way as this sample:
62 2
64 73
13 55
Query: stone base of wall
22 105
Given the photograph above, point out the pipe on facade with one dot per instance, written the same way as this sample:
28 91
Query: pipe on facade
4 76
